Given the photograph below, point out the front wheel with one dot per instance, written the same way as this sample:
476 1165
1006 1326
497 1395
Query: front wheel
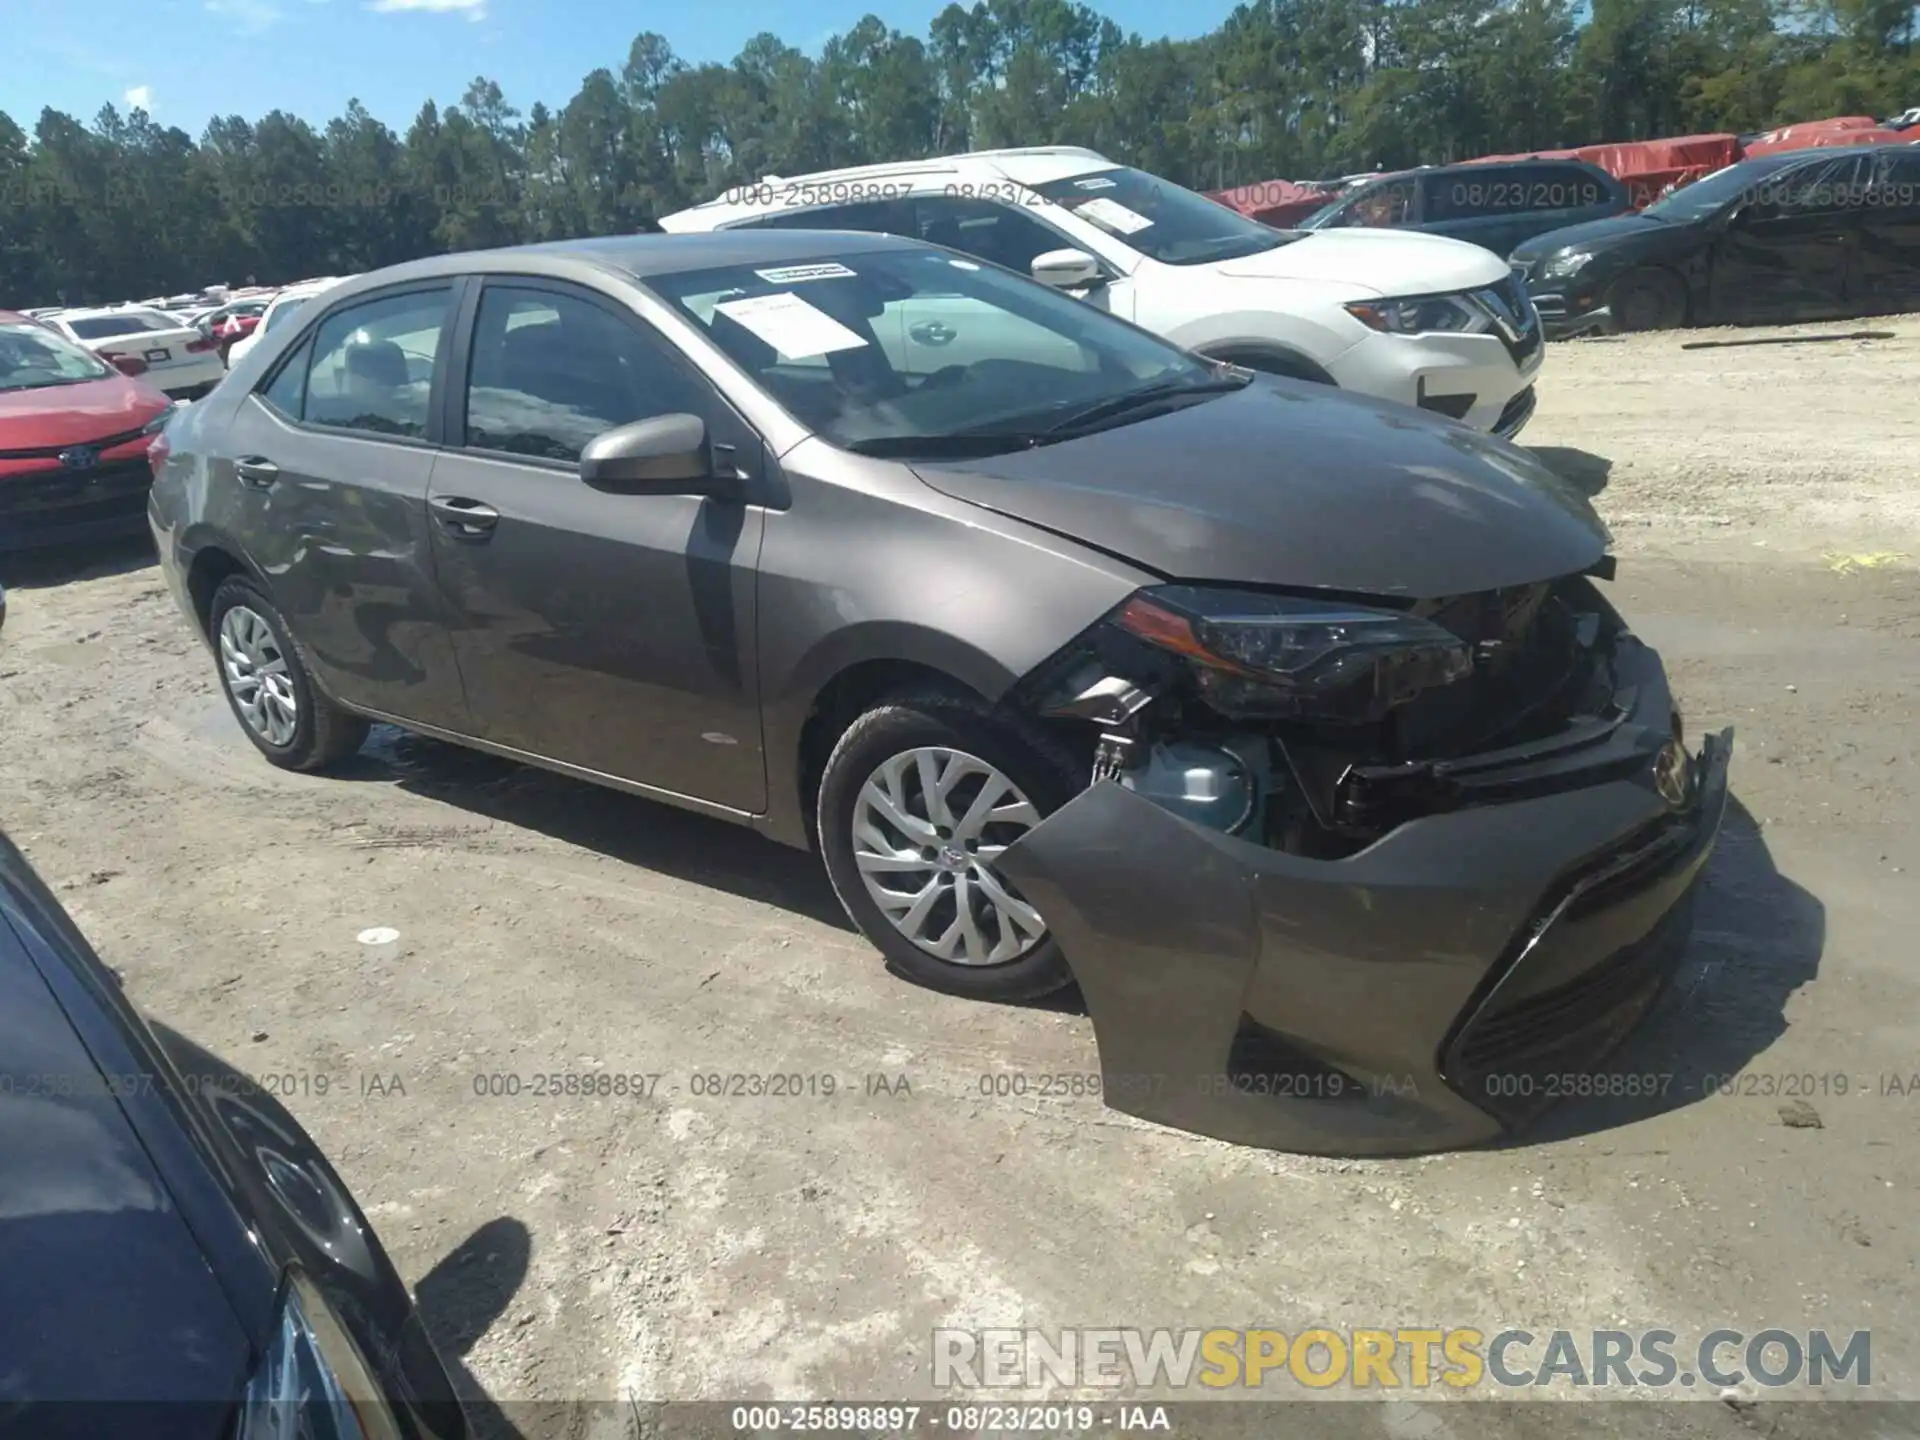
1647 300
919 798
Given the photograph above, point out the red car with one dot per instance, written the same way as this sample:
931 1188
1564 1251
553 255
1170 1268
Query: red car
74 435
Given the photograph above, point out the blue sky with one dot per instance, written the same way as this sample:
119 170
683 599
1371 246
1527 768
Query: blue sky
188 60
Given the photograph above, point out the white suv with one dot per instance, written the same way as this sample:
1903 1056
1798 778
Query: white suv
1424 320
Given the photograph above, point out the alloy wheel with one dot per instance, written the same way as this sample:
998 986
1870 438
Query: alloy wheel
257 676
927 826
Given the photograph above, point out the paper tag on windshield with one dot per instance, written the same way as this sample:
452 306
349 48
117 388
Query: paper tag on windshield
1094 182
790 325
1113 215
800 274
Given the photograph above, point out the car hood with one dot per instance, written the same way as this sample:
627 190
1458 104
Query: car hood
108 1296
1375 262
1593 235
75 414
1289 484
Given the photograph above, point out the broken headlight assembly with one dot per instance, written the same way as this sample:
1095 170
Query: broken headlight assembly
1260 656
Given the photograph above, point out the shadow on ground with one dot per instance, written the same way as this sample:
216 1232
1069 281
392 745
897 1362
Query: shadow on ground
1757 938
64 564
462 1297
645 833
1581 469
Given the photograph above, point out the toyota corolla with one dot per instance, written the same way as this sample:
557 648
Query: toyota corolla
1295 726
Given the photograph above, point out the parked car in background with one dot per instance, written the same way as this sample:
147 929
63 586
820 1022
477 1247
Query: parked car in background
74 434
1493 205
232 323
1415 318
1800 235
178 358
250 1298
280 309
1268 712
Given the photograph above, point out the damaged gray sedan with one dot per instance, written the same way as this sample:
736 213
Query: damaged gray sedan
1295 726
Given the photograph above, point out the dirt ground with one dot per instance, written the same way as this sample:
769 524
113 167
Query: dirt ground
1766 506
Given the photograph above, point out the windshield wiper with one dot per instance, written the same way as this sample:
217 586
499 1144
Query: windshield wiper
962 446
1115 406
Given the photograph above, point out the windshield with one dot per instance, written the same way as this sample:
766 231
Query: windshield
919 351
127 322
32 358
1160 219
1712 193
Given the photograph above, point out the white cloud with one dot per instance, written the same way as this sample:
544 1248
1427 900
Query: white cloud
139 97
474 10
249 17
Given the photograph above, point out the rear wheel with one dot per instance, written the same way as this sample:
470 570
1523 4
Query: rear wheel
919 798
1647 300
267 685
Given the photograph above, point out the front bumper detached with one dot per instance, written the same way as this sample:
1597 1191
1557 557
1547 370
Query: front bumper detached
1424 994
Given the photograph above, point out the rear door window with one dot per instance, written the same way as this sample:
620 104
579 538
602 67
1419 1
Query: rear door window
373 364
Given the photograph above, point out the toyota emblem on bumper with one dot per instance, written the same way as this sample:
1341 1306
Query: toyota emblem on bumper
80 457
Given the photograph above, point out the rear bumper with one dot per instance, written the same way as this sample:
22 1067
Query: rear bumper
1408 998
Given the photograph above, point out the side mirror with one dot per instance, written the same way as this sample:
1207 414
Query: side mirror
1066 269
666 455
127 364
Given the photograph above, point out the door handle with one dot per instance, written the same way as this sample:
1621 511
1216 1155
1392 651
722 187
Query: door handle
256 472
463 518
932 332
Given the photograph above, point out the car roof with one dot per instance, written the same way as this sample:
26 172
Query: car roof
1029 165
639 257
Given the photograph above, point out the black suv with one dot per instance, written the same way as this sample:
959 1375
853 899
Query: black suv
1496 205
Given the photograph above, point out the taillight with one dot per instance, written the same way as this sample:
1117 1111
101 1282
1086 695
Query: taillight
157 453
202 345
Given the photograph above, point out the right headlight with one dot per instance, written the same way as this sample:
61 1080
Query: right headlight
1455 314
1283 657
1563 263
313 1383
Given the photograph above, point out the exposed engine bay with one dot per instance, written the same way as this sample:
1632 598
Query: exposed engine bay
1314 725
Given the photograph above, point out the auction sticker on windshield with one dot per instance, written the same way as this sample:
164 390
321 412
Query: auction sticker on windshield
790 325
1113 215
798 274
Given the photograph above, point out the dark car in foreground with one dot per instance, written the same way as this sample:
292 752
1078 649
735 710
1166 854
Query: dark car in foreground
179 1258
1801 235
1294 725
74 432
1496 205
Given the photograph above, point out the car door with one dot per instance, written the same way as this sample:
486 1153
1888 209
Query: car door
1785 254
1886 275
610 632
325 469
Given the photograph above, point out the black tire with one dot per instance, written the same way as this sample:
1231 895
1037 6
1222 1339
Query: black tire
1647 300
322 731
1044 771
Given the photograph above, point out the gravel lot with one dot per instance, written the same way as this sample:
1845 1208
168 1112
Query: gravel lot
1766 504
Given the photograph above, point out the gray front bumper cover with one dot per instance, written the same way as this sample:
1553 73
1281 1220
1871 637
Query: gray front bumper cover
1397 1001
